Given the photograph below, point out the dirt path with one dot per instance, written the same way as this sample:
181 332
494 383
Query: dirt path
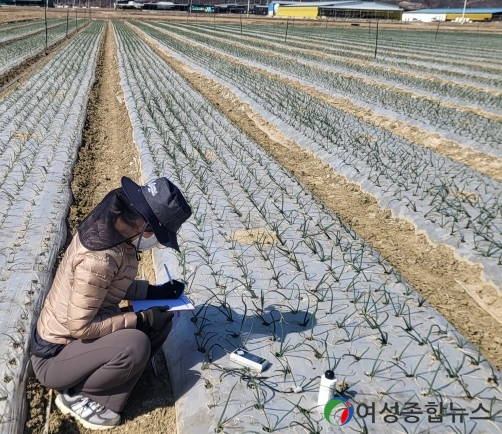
108 152
432 270
484 163
17 15
370 82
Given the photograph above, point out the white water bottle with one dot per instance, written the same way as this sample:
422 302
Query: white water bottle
327 387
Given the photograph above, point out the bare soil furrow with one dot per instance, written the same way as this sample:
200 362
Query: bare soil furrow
323 56
108 152
35 62
392 50
480 161
396 89
375 83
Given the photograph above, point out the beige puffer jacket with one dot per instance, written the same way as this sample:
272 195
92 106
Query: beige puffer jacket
83 301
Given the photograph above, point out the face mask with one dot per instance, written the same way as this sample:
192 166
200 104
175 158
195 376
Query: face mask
145 243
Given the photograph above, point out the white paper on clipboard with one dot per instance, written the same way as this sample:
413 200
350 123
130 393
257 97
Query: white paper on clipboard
178 304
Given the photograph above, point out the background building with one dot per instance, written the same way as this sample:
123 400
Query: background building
429 15
336 9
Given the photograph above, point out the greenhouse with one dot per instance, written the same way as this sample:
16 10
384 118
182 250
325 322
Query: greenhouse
337 9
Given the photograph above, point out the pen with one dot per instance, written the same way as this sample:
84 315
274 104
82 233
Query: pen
168 275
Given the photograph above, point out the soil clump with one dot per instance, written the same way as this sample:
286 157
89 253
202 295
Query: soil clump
254 235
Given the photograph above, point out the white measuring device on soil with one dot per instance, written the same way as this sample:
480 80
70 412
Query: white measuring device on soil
245 358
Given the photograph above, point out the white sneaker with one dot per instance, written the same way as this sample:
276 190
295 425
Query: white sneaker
89 413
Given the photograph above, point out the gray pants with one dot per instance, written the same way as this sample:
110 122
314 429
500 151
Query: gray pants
104 369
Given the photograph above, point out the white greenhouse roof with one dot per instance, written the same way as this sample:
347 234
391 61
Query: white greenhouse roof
457 11
355 4
362 5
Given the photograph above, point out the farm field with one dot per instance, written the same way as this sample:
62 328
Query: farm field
347 215
19 48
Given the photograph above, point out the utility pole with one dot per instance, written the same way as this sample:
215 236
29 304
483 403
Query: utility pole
247 16
463 11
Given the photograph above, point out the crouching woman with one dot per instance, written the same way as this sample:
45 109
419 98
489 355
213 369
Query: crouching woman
83 344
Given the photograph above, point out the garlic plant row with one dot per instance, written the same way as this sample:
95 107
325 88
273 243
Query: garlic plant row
269 267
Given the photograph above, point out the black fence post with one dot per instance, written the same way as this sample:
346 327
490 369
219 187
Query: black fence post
67 20
46 34
376 42
241 22
287 26
437 31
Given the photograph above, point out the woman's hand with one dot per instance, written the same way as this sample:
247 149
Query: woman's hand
153 319
167 290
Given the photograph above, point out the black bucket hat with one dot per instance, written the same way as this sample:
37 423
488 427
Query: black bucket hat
162 205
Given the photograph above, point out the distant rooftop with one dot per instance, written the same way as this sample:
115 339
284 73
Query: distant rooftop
458 11
342 4
363 5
